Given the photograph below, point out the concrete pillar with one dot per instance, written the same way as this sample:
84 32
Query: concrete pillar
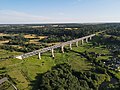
53 53
82 41
86 40
19 57
90 38
70 46
39 55
77 43
62 49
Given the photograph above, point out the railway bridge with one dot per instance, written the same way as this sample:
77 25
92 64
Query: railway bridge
51 48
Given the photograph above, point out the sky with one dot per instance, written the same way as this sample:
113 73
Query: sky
59 11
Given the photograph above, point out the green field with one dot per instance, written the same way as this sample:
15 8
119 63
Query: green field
23 72
5 53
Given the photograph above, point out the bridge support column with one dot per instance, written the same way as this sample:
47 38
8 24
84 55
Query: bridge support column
77 43
86 40
82 41
70 46
62 49
90 38
53 53
39 55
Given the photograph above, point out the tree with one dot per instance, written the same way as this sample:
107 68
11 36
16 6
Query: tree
61 78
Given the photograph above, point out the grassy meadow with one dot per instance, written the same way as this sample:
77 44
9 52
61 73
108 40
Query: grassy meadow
23 72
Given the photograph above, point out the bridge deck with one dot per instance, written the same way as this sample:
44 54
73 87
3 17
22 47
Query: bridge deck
52 47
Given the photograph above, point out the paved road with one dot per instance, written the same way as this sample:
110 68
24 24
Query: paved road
6 79
3 80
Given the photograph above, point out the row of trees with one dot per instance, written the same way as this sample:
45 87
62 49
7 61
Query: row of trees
55 38
18 40
25 48
60 33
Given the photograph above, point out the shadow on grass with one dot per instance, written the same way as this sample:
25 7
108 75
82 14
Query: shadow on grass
81 54
36 83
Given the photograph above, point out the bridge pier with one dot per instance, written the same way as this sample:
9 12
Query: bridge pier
82 41
39 55
77 43
61 45
90 38
52 53
62 49
70 46
86 40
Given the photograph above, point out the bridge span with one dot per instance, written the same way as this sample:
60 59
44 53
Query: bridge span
51 48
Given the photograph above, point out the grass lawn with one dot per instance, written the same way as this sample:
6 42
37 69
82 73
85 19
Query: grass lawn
19 79
103 57
88 47
25 71
5 53
6 86
116 74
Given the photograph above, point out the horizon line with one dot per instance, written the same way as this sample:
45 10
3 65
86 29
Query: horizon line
64 23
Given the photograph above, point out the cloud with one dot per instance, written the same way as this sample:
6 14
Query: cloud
11 16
